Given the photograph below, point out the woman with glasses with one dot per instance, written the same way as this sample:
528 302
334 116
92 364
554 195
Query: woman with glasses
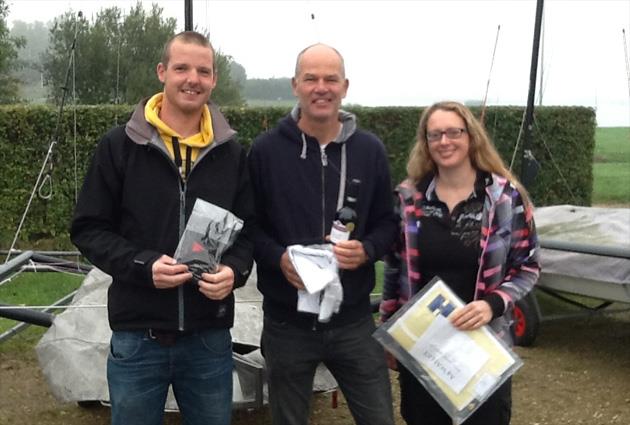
464 218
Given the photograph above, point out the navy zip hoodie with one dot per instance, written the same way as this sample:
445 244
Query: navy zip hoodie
296 189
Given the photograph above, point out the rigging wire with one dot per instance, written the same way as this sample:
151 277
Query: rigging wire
485 96
551 156
47 166
37 267
545 63
518 140
625 49
74 127
60 267
44 267
542 60
555 164
30 200
565 181
543 84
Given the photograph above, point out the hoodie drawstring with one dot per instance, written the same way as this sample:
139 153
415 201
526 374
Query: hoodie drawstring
342 177
342 173
303 154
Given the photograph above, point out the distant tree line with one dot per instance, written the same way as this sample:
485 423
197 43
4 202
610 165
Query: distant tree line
268 89
9 46
28 67
114 57
113 60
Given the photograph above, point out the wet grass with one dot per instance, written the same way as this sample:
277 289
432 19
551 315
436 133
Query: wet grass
36 289
611 167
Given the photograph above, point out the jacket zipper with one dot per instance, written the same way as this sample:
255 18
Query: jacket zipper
324 158
182 226
182 219
181 186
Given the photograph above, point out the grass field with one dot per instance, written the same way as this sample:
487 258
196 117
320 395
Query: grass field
611 167
36 289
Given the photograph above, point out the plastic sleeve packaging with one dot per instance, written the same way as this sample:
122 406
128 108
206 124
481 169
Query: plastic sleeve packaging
210 231
460 369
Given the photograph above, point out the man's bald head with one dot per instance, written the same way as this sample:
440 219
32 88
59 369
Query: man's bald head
319 47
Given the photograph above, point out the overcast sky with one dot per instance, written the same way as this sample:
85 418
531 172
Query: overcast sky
417 52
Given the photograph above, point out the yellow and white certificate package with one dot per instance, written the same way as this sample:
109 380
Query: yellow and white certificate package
460 369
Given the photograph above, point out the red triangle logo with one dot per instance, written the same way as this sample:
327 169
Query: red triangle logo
197 247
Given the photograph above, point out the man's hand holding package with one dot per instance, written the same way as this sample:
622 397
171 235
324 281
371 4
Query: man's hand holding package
167 273
217 286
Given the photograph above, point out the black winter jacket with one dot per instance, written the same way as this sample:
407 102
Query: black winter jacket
296 188
132 208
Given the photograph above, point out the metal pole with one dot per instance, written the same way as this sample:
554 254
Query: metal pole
21 326
584 248
33 317
11 267
529 166
188 15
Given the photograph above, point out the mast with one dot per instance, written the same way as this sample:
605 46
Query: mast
529 165
188 15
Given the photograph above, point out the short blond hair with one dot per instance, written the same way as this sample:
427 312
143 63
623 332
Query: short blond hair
187 37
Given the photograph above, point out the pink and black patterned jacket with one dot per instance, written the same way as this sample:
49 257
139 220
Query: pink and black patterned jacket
508 263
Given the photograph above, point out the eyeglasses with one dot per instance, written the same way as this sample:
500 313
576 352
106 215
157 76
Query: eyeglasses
451 133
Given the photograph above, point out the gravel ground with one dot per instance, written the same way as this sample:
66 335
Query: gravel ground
578 372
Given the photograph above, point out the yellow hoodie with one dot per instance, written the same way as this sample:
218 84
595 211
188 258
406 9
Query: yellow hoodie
189 146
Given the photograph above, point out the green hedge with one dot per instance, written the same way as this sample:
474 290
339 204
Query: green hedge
563 140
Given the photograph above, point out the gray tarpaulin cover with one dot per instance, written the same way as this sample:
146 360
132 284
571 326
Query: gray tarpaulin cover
73 352
586 225
606 277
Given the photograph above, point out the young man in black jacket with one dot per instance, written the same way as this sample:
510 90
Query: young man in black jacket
138 193
299 171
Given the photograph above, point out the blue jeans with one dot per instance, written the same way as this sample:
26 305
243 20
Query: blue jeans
198 366
354 358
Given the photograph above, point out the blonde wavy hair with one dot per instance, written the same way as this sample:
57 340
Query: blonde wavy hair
483 155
